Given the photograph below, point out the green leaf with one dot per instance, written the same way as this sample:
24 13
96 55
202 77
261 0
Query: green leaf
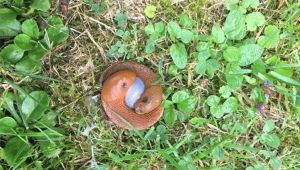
30 28
197 121
250 3
230 105
24 42
203 51
254 20
34 109
276 163
48 119
269 126
9 26
49 149
121 19
16 151
258 95
270 38
150 11
259 66
217 34
232 54
218 153
234 26
234 79
231 4
10 29
250 80
271 140
28 64
169 113
225 91
185 21
11 53
9 105
149 29
150 46
7 16
186 36
188 105
161 130
7 124
213 100
180 96
212 65
217 111
56 30
250 53
42 5
159 27
284 78
174 30
179 55
201 66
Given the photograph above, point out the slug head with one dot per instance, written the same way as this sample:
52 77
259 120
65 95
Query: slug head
149 100
116 86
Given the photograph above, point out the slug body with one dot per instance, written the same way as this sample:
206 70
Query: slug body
116 86
149 100
128 93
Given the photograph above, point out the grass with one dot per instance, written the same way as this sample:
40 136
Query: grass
230 142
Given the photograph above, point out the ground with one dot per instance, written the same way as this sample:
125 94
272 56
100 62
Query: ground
232 141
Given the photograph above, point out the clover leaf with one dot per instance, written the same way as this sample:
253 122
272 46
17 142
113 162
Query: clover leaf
250 3
42 5
174 30
186 36
150 11
254 20
24 42
230 105
7 124
28 64
9 26
269 126
121 19
250 53
188 105
270 38
213 100
57 31
180 96
232 54
11 53
179 55
271 140
217 34
231 4
234 80
185 21
169 112
30 28
234 26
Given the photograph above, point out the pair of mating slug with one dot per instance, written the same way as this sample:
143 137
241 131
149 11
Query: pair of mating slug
126 87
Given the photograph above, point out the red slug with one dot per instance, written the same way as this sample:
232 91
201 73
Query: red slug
129 93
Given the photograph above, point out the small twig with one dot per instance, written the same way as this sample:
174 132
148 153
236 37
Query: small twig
111 29
97 45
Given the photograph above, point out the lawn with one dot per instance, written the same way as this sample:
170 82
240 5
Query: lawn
229 71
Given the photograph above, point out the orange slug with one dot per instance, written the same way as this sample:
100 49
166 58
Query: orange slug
129 95
149 100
